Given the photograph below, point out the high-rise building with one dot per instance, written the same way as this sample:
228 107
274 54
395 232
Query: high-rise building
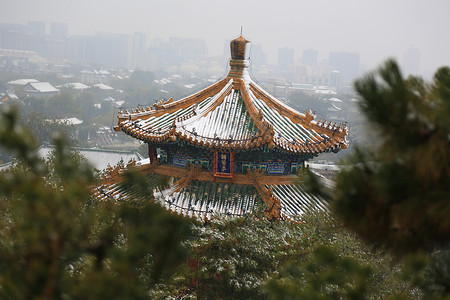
177 51
55 48
188 48
59 29
110 49
285 57
75 48
309 57
36 28
346 63
258 57
139 47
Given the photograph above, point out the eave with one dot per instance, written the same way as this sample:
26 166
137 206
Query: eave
277 192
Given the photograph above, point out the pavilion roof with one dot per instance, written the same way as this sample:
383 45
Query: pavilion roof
233 114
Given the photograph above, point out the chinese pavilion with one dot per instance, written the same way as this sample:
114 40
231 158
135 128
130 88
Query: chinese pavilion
228 148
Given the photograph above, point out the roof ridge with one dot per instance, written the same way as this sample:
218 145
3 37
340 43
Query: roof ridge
170 106
266 129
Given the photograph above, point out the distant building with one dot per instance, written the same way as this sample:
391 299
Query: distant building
316 74
309 57
40 89
13 27
258 57
188 48
139 48
94 76
110 49
103 86
28 55
76 48
36 28
285 58
346 63
21 40
78 86
176 51
55 48
20 83
335 80
67 121
59 29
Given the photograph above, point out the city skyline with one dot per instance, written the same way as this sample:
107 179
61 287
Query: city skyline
374 30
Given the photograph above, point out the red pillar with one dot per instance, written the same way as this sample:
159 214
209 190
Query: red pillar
151 153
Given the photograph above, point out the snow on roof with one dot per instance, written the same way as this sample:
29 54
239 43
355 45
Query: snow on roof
334 108
325 92
75 86
41 87
68 121
164 81
22 82
303 86
103 86
99 72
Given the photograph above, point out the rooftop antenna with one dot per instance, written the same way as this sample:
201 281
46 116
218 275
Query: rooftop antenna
241 30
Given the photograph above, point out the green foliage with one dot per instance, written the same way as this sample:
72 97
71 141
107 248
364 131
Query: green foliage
57 242
249 258
235 256
324 275
338 265
143 77
397 195
43 128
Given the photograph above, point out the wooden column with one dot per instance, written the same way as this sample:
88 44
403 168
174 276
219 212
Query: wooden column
151 153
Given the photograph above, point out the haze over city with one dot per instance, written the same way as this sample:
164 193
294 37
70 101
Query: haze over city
375 30
233 149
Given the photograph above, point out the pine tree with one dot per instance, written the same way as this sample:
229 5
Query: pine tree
58 242
398 195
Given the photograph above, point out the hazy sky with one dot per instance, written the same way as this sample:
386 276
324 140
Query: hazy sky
375 29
